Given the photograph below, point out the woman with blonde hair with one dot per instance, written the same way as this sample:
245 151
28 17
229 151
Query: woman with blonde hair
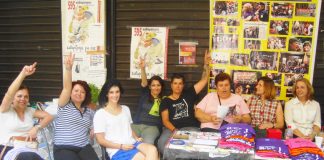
302 112
266 112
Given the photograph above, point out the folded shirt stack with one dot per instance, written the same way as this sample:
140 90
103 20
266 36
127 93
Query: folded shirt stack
237 136
271 148
303 149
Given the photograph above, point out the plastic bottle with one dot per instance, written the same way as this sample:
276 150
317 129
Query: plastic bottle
289 133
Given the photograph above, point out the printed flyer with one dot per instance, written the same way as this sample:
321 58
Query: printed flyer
187 53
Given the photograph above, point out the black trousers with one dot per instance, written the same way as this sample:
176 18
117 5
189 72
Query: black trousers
67 152
5 152
23 155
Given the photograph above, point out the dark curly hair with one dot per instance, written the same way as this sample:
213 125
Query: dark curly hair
222 77
87 89
103 99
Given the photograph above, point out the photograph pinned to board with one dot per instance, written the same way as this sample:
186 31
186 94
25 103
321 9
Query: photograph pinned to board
302 28
151 45
246 80
305 9
294 62
219 57
276 77
263 60
222 8
187 52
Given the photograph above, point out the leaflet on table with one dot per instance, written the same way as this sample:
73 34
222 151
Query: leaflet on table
200 135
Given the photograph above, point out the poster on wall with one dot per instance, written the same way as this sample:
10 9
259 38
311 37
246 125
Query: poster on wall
187 53
250 39
151 45
83 34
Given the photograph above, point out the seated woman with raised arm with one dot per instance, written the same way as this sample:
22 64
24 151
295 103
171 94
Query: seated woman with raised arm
73 124
112 127
177 110
302 112
17 119
206 110
147 121
266 112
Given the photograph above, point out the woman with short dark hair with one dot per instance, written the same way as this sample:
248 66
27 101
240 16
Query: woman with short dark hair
207 109
178 109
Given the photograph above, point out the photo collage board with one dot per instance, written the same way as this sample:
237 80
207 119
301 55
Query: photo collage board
250 39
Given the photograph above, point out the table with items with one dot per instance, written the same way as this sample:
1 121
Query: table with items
237 141
200 145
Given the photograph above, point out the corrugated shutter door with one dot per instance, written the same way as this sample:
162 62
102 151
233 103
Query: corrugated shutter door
187 19
30 31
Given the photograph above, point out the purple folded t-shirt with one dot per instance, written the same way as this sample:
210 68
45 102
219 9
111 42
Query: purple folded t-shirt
307 156
241 129
271 144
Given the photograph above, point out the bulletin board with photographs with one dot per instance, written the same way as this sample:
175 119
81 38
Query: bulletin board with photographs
250 39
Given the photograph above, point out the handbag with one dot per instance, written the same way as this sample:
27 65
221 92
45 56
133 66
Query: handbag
17 142
27 144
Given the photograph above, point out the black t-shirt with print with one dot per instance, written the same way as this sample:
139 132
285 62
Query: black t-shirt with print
181 111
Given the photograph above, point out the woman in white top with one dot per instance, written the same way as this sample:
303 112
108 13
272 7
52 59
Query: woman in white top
303 113
112 127
16 117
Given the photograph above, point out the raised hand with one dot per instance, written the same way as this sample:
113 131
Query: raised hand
68 61
207 57
29 69
142 63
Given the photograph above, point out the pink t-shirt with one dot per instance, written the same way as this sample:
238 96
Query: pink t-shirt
210 103
299 143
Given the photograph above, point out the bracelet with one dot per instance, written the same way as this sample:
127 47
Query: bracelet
38 126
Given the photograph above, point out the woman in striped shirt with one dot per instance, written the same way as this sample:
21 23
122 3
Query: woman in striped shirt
73 124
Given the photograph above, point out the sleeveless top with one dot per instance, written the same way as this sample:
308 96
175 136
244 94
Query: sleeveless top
262 114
